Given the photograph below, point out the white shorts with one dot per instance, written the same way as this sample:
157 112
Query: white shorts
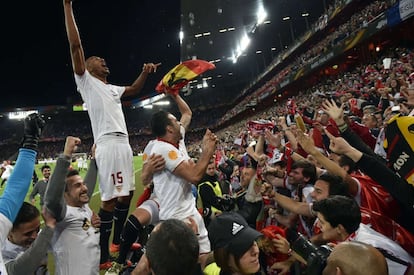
115 166
152 207
202 236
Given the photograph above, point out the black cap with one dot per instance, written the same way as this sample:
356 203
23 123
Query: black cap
232 231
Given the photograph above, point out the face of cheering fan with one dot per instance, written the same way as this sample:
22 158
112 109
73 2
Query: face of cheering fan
248 262
174 128
25 233
76 194
97 67
320 190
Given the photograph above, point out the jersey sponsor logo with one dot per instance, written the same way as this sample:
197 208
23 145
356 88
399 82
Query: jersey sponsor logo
172 155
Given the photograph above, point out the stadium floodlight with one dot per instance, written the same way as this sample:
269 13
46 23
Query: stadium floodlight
21 114
161 103
286 18
181 36
149 106
244 43
261 15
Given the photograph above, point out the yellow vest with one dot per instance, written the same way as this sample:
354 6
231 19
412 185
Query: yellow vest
212 269
217 192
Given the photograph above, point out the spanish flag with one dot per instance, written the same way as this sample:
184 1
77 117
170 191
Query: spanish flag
181 74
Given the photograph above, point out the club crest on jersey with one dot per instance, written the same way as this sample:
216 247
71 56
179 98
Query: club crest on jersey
86 224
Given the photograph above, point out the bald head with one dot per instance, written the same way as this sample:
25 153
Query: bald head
355 258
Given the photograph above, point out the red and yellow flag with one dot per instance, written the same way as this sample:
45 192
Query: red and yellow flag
181 74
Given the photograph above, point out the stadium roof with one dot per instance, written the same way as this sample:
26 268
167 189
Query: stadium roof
36 67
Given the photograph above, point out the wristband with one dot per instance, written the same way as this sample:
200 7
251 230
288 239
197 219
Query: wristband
290 252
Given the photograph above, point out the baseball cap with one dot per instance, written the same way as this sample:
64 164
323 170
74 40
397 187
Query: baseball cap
230 230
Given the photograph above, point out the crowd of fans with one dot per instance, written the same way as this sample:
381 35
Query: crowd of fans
358 20
330 164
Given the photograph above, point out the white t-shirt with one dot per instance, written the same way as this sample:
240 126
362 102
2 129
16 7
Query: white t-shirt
11 251
367 235
75 243
80 163
7 171
174 193
103 102
306 191
5 227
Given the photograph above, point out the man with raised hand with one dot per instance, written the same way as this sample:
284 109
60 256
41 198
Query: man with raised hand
113 152
173 185
148 212
75 243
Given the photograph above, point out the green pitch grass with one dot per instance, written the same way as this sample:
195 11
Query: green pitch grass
95 200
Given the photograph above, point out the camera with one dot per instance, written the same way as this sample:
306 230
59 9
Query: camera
315 256
227 203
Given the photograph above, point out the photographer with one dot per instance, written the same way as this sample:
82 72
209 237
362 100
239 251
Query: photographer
211 196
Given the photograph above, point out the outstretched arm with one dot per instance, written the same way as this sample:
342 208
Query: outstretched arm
76 51
332 167
54 201
290 136
135 87
18 184
92 174
186 113
31 259
193 172
337 114
301 208
400 189
19 180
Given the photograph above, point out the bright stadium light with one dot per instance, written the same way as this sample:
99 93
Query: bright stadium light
181 36
261 15
161 103
21 114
